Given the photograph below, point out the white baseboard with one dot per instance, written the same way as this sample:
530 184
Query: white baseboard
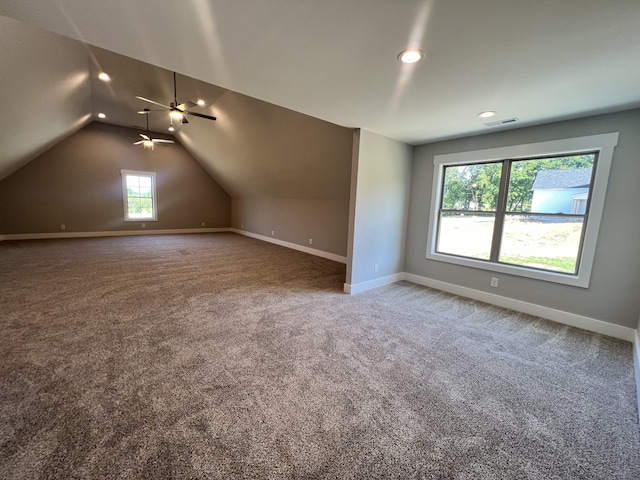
586 323
559 316
122 233
566 318
378 282
293 246
111 233
636 365
574 320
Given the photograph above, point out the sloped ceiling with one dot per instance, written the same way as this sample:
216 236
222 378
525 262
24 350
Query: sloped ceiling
44 89
336 60
253 149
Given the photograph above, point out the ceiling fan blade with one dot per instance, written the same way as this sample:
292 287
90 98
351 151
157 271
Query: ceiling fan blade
201 115
146 137
187 104
139 142
184 120
161 140
146 111
151 101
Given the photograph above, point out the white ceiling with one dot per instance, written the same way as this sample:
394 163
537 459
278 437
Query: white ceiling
335 60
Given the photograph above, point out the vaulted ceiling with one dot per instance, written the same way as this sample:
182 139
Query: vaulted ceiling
254 148
333 60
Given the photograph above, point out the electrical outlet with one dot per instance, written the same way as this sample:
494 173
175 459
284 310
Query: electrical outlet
203 224
63 226
311 241
375 268
273 233
144 225
242 225
494 282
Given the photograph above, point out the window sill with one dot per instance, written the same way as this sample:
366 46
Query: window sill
581 281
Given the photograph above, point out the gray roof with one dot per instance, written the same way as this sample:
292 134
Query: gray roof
571 178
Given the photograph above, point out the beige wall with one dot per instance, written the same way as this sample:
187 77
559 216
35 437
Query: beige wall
46 93
287 172
295 220
78 183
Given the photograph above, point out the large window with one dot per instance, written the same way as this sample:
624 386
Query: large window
139 194
532 210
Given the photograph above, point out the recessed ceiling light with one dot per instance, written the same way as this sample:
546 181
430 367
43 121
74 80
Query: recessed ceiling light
171 129
487 114
102 115
104 77
412 55
200 102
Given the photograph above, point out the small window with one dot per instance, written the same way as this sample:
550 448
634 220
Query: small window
139 194
510 210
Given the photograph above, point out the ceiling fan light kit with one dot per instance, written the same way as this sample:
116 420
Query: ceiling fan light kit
177 110
177 115
147 141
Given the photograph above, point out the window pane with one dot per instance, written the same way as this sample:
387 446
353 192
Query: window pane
471 187
550 185
132 181
145 182
139 195
467 235
145 192
146 207
134 207
544 242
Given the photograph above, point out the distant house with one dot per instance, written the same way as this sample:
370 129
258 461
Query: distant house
561 191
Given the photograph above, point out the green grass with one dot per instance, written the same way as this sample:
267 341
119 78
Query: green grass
558 264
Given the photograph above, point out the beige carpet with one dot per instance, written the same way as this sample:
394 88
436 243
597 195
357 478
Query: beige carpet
219 356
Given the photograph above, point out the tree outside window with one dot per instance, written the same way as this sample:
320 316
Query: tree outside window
488 211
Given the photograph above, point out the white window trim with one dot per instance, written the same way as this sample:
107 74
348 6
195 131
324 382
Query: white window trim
125 196
603 144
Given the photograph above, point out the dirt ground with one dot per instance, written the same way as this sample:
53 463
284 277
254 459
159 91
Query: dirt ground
471 237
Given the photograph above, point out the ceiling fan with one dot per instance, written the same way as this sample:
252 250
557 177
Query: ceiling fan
147 141
177 110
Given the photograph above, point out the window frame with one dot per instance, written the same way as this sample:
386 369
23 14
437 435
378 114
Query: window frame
602 144
125 195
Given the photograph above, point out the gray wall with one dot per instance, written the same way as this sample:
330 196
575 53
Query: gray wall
613 295
381 180
78 183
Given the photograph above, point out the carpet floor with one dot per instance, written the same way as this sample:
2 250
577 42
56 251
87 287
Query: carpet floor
218 356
